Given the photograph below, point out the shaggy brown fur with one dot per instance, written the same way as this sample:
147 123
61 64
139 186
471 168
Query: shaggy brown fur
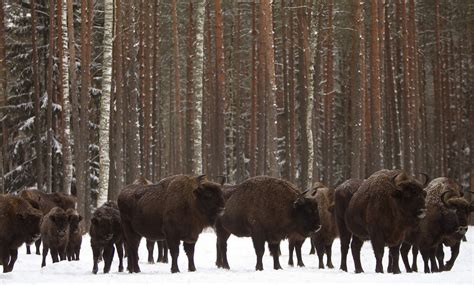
446 221
106 232
385 207
268 210
176 208
342 196
45 202
19 223
55 234
75 235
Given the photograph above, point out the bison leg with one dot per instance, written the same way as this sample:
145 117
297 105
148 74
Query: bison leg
222 237
62 253
454 255
378 247
394 255
274 249
426 258
312 250
54 254
165 252
414 265
5 261
440 257
150 246
189 249
45 254
291 248
259 246
329 255
119 246
132 241
108 257
405 248
356 246
13 257
432 255
174 251
345 237
77 252
298 246
28 249
95 256
320 252
37 245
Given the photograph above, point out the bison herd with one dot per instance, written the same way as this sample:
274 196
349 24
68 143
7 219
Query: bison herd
390 208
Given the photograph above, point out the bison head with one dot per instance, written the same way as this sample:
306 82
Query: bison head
209 197
29 221
104 226
410 195
74 220
306 214
61 221
461 208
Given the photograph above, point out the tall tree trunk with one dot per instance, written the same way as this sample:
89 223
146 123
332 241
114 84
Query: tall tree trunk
3 101
292 97
198 69
49 106
238 96
178 133
266 32
36 86
376 158
306 96
65 127
189 130
253 92
104 125
146 95
82 158
328 95
220 158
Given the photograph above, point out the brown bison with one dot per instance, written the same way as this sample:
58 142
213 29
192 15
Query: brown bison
446 221
106 232
45 202
342 196
268 210
19 223
176 208
386 206
323 239
75 235
55 234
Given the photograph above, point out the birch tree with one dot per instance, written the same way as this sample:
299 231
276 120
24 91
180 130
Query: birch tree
198 69
104 126
49 108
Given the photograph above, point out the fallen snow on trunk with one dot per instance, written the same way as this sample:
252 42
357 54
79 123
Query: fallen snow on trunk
242 261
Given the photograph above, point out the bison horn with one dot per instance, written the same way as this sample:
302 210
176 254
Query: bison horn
222 180
444 200
201 178
397 178
427 179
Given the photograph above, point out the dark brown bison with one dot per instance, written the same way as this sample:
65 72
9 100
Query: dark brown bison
75 235
446 221
55 234
106 232
268 210
323 239
19 223
176 208
386 206
45 202
342 197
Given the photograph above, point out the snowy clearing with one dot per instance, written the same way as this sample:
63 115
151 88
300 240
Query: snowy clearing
242 261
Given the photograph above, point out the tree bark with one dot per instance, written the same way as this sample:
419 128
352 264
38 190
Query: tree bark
220 142
36 86
376 158
3 101
104 125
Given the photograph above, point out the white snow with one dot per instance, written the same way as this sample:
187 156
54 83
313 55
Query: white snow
242 260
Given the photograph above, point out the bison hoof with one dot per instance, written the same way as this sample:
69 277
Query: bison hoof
300 264
174 270
330 265
290 263
120 269
343 268
396 271
151 262
359 271
259 267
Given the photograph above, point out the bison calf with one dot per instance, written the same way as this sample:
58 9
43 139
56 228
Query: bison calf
106 232
55 234
19 223
75 235
268 210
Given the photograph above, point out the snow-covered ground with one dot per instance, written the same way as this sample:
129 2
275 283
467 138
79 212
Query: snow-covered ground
242 262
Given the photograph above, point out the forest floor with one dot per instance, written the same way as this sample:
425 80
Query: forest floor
242 262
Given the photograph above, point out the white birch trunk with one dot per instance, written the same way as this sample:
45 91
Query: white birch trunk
198 86
67 154
105 103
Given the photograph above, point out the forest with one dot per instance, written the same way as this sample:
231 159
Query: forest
94 94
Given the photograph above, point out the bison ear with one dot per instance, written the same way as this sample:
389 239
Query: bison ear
80 218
